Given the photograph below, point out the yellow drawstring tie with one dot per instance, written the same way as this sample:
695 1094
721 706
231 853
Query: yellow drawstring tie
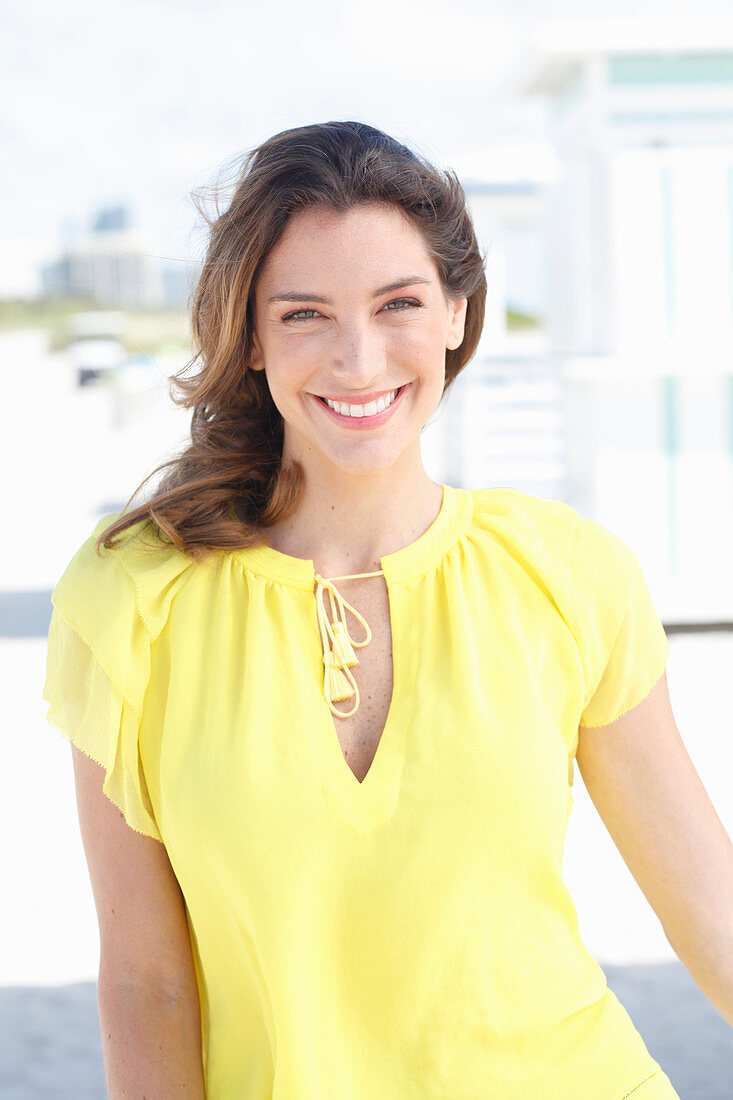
338 660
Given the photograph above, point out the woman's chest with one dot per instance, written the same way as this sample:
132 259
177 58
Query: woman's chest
457 708
359 734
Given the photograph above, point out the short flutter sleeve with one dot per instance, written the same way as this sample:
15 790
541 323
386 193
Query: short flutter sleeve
106 612
622 642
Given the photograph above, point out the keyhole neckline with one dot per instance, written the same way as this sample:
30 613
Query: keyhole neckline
410 561
360 806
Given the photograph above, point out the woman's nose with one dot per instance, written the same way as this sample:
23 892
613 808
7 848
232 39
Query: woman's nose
358 352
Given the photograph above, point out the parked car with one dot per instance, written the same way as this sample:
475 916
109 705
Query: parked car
96 348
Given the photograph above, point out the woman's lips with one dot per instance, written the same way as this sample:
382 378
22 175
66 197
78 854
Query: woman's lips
361 423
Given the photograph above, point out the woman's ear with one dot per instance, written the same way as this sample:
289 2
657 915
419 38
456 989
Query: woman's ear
256 360
456 323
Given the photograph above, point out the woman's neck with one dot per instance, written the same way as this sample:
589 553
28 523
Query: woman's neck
349 534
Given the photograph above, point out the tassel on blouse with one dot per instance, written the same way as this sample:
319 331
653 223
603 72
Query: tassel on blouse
338 682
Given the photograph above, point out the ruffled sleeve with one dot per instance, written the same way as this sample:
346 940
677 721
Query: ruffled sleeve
107 610
622 642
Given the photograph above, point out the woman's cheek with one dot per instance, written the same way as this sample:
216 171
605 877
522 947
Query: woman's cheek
413 343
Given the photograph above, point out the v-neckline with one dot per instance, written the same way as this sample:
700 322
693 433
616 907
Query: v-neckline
377 791
363 805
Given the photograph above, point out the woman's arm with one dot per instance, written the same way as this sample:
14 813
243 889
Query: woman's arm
148 998
651 799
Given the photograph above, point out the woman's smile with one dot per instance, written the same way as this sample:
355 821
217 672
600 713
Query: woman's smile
361 420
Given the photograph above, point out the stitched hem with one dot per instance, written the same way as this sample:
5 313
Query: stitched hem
67 737
631 706
637 1087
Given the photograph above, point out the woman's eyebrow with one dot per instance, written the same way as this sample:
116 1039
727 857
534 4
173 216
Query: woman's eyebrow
299 296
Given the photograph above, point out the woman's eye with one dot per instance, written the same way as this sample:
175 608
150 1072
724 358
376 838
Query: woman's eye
401 302
395 306
295 316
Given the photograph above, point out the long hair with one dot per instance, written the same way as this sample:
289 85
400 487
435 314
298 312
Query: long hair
228 484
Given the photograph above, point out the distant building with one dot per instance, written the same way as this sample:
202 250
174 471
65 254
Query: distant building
114 218
114 266
508 216
639 223
639 247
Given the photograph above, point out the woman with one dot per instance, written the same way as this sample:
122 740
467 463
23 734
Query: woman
324 710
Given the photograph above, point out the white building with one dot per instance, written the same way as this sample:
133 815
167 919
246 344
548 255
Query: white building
503 421
115 266
110 269
639 231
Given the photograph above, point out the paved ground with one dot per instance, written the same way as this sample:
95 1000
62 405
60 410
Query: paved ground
95 451
50 1046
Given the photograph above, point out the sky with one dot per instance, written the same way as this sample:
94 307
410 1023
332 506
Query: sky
141 102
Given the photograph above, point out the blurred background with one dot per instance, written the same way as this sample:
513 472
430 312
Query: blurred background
597 156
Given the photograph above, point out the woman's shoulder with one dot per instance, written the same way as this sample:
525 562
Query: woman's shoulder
552 539
506 500
539 525
141 548
138 570
508 508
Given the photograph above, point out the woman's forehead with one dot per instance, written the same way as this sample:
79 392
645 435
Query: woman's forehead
365 239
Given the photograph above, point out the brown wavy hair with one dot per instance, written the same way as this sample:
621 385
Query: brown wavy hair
229 484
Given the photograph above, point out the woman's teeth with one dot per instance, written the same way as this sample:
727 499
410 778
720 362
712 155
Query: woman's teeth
363 410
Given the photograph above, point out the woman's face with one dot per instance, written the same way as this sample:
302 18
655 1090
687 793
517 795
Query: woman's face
350 306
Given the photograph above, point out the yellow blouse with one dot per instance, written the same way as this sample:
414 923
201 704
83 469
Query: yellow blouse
409 936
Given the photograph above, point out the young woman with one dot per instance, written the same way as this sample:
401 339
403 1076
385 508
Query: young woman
324 710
